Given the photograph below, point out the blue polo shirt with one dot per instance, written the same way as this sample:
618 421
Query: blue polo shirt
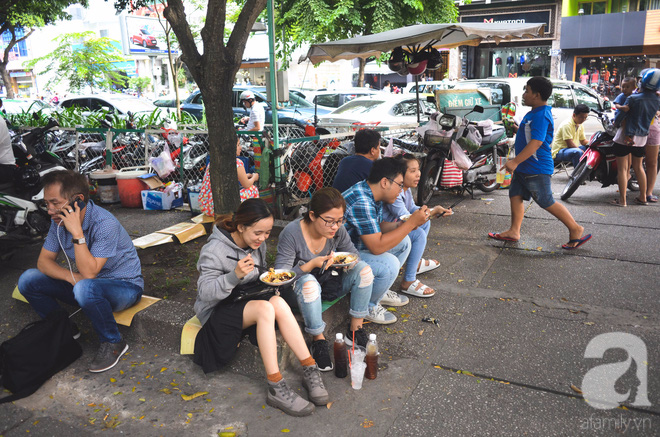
352 170
536 125
106 238
363 214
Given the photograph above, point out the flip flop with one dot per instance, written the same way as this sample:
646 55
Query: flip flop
499 237
615 202
579 241
652 199
423 268
414 291
639 202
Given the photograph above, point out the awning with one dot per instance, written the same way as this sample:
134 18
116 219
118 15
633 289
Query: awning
442 35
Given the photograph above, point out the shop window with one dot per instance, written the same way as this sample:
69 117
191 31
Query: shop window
593 8
584 97
561 97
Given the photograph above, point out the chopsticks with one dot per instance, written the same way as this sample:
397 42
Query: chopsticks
453 205
332 249
260 268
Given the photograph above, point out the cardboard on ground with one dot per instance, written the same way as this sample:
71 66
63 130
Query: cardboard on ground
153 239
185 232
203 218
188 335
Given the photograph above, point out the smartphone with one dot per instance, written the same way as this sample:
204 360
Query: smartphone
77 201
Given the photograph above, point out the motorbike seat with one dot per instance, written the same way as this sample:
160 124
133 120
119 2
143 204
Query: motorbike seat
7 186
498 131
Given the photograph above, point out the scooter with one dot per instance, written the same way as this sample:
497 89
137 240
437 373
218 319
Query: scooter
23 216
598 162
482 174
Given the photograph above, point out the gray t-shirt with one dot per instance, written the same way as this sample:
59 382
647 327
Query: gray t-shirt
292 250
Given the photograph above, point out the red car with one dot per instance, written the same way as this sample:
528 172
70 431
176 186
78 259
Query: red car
145 39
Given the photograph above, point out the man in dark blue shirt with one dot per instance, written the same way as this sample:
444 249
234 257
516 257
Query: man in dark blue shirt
356 168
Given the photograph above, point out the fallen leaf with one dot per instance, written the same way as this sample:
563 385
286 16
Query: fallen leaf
421 332
174 384
189 415
227 434
163 369
285 430
193 396
142 400
539 248
328 405
167 391
391 309
460 280
117 393
589 323
113 380
367 423
575 389
563 299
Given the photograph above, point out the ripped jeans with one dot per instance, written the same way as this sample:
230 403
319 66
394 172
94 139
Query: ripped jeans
358 281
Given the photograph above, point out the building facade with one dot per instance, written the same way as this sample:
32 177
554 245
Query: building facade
524 57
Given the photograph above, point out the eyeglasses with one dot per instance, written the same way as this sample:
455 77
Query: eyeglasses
331 223
395 182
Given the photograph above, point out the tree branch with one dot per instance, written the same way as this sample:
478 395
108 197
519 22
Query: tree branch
176 15
241 32
214 27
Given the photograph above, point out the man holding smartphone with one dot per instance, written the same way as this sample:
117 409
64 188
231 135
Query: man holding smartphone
108 276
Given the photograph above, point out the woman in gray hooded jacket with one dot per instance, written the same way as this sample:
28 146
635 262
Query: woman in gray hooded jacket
226 321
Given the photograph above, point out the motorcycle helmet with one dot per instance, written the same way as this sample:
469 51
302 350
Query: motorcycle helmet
396 59
246 95
651 79
435 60
404 71
26 178
417 67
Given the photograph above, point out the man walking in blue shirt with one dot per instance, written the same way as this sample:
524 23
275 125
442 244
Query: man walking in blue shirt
532 167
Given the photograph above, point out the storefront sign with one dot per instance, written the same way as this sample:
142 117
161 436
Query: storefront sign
514 17
460 98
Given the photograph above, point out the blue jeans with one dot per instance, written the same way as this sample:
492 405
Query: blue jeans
418 245
386 267
571 154
98 298
309 301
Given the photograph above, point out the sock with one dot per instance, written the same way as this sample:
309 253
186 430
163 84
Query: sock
309 361
274 377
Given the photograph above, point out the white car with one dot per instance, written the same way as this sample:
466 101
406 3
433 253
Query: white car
119 103
333 99
565 95
379 109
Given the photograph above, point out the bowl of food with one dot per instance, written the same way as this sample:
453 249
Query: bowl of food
343 259
277 277
405 217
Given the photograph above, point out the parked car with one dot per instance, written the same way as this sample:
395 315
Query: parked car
296 111
565 95
430 86
19 106
333 99
144 38
115 103
383 109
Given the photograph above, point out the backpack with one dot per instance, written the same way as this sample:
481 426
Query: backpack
39 351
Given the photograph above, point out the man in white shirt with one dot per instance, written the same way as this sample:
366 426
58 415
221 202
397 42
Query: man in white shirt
7 160
257 118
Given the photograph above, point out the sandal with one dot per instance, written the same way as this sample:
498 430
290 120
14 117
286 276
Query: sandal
417 289
639 202
652 198
426 265
615 202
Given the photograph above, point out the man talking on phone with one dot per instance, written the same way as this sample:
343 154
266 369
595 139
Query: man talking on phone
107 276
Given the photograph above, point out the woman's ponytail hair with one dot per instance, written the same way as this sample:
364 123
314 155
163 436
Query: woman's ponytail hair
250 212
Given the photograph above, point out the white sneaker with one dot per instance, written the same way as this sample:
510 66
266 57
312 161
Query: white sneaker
394 299
380 315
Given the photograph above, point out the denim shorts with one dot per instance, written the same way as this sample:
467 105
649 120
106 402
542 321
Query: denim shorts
532 186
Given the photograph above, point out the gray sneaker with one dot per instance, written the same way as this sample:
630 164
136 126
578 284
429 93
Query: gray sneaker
378 314
282 397
108 356
394 299
314 384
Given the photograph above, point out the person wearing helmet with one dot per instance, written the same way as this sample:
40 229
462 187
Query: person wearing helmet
257 118
634 121
7 160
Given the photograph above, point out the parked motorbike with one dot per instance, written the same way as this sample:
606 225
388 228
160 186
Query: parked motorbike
598 162
482 174
23 216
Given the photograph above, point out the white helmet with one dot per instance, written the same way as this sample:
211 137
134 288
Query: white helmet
246 95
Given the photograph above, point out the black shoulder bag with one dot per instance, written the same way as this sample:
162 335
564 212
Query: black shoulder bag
330 281
35 354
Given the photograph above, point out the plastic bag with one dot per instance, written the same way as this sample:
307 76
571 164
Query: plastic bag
163 164
470 140
460 158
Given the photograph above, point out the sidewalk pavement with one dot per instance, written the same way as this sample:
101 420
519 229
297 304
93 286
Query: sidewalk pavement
514 320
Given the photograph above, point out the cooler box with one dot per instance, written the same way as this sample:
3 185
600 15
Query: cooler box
106 185
159 200
193 200
130 187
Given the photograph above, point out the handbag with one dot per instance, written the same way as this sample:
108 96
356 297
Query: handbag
41 350
249 291
331 282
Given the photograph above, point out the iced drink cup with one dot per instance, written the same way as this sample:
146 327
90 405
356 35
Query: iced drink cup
357 374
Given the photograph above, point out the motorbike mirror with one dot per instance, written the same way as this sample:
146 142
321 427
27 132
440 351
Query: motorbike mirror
607 105
479 109
35 116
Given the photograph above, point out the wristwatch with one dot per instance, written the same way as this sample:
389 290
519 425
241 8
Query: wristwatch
79 240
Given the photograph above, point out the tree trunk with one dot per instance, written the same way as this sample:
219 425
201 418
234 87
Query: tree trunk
6 80
362 63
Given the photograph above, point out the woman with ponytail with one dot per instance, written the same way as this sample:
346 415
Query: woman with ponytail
226 321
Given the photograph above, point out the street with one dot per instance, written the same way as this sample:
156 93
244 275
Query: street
507 356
